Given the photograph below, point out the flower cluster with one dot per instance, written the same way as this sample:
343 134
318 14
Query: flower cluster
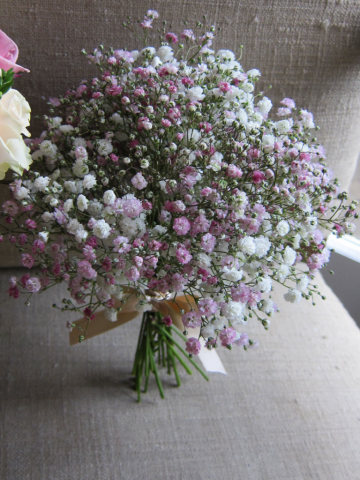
167 174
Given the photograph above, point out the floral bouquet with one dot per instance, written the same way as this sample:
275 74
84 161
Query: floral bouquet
163 187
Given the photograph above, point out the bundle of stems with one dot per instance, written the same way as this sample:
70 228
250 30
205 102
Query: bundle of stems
157 348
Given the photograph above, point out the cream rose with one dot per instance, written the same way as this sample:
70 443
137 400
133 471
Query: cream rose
14 118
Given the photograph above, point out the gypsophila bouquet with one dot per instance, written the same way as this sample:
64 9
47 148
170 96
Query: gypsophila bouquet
164 178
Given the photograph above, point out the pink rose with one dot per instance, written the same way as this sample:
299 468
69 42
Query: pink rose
8 54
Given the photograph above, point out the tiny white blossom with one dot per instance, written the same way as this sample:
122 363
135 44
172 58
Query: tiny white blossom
109 197
101 229
68 205
110 314
82 203
289 256
41 183
293 296
89 181
104 147
247 245
283 228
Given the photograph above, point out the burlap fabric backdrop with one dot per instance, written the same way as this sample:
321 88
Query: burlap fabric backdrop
288 411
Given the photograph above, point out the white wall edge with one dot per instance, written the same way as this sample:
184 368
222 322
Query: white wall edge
347 246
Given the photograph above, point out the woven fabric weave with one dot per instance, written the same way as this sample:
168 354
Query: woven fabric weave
286 411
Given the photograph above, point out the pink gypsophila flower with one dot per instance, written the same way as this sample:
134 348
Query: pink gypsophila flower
132 274
258 176
183 255
171 37
227 336
85 268
33 284
139 181
31 225
181 226
191 319
208 242
193 346
9 207
38 246
27 260
207 307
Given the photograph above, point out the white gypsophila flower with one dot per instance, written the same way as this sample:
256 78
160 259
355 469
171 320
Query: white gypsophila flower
55 122
293 296
282 273
41 183
225 55
267 306
95 208
48 148
218 323
232 274
165 53
262 246
89 181
118 293
195 94
117 118
68 205
70 186
80 169
108 214
21 193
148 50
109 197
142 307
283 228
44 236
303 283
233 311
79 142
110 314
349 227
263 284
104 147
156 62
247 245
66 129
47 217
73 226
55 175
296 241
203 260
208 331
264 105
241 258
254 72
82 203
289 256
158 230
268 141
101 229
223 246
51 200
282 126
310 224
247 87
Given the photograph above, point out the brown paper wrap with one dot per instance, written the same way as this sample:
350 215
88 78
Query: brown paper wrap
100 324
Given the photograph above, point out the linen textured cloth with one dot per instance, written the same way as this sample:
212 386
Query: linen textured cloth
289 410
